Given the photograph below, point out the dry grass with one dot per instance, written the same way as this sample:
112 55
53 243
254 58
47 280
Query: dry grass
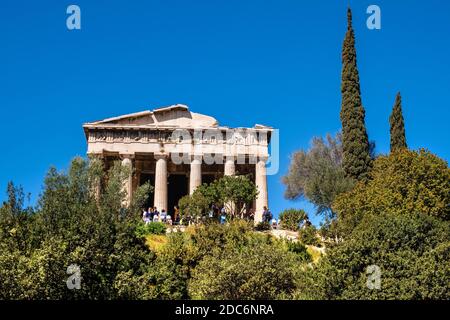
156 242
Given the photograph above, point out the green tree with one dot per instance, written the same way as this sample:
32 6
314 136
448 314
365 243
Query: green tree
402 183
291 218
199 203
254 272
397 125
171 270
411 251
317 174
356 147
16 221
35 274
173 267
235 193
71 226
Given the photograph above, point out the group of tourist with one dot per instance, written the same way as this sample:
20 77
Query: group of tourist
153 215
268 218
215 212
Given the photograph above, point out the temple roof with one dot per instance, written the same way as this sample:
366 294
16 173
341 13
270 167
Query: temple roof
175 116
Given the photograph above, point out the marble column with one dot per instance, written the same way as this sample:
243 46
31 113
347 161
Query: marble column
195 178
261 184
161 182
229 169
128 182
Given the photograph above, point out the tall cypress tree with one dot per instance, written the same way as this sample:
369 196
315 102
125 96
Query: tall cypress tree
398 137
355 142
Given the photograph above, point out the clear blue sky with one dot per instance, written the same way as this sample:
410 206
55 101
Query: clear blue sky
241 61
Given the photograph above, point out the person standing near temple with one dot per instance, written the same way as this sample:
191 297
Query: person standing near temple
155 217
163 215
145 216
176 214
150 213
267 215
251 214
155 211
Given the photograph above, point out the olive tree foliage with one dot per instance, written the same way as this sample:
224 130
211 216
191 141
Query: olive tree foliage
197 204
235 193
317 174
412 253
72 225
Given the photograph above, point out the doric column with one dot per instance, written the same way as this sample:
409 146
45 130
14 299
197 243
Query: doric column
261 184
195 178
161 182
128 182
229 169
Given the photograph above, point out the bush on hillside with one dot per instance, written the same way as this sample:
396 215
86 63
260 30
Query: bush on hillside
144 229
300 250
412 253
263 226
291 218
254 272
308 235
405 182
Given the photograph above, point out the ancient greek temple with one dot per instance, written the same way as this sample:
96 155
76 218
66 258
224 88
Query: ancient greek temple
177 150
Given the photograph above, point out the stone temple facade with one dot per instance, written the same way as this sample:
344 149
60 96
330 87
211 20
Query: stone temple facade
176 150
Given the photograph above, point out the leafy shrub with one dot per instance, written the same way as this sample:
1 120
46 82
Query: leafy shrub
263 226
411 251
171 269
214 236
183 252
300 250
291 218
150 228
308 235
405 182
260 271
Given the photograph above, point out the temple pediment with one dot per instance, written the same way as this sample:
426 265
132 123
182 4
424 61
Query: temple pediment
176 116
170 128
